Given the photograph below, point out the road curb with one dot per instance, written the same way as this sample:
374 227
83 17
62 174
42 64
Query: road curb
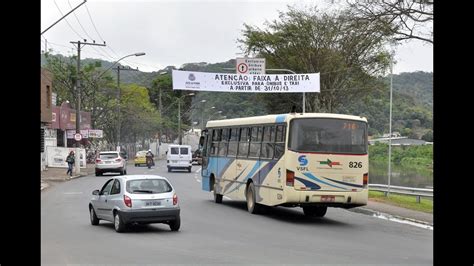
371 212
77 176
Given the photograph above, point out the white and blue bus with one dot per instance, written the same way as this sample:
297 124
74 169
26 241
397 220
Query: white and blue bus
312 160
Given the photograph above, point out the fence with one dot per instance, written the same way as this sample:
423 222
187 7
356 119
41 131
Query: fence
417 192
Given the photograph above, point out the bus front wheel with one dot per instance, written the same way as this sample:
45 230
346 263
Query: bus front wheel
313 211
252 206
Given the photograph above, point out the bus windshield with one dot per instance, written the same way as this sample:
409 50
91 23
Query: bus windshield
328 136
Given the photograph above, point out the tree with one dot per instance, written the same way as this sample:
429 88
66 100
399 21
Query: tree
349 54
405 19
428 136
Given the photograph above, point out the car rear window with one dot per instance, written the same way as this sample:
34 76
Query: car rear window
174 150
106 156
184 150
144 186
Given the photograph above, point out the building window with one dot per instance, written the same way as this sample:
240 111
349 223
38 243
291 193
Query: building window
48 96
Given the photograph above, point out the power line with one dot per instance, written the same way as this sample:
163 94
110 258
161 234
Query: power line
106 56
67 21
93 24
77 19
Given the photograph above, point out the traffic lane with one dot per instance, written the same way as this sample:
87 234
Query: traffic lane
223 233
341 226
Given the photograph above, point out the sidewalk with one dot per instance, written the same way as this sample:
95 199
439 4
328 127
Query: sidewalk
53 174
378 208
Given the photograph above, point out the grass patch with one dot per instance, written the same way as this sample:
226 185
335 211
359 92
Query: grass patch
404 201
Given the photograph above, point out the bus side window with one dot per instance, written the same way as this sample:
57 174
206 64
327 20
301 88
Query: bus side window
233 142
255 142
216 135
268 142
243 142
223 144
279 141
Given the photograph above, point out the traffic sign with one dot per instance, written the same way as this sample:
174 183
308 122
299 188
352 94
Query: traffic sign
77 137
252 66
242 68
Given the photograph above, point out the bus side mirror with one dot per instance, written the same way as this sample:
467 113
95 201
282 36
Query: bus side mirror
201 141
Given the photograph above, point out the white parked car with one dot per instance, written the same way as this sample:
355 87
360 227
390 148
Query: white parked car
179 157
110 161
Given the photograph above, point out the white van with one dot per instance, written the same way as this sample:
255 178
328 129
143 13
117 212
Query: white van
179 157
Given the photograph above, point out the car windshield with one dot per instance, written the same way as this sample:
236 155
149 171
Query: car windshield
174 150
142 186
106 156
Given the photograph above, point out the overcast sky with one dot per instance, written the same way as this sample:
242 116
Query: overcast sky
176 32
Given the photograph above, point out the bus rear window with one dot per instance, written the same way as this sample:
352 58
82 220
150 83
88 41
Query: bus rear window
328 136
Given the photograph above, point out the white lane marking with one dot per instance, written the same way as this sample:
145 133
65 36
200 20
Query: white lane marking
227 198
199 181
72 193
393 219
198 170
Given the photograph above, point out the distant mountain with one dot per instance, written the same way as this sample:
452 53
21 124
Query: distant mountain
418 85
412 99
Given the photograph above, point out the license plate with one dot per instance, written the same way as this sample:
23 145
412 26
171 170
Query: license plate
328 198
174 161
153 203
108 162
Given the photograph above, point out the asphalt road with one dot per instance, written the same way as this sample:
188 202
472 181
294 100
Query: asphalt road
225 233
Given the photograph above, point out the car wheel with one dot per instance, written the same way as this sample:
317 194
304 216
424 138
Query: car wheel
118 223
169 169
125 172
189 169
312 211
252 206
174 225
97 173
94 219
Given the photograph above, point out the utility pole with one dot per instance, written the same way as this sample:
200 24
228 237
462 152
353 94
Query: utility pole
390 129
79 95
119 97
179 122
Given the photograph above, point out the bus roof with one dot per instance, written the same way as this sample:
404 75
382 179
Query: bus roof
278 118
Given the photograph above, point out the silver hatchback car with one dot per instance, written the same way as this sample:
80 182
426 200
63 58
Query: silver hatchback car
141 199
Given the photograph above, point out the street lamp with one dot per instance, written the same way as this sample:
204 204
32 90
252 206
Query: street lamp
179 115
119 96
218 112
202 115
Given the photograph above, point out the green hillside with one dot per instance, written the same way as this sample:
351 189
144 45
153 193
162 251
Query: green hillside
412 100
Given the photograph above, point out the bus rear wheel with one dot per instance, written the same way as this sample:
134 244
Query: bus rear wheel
217 197
252 206
313 211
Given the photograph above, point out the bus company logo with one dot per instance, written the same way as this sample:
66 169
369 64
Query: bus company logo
329 163
303 161
191 77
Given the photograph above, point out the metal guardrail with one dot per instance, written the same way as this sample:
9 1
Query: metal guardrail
417 192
